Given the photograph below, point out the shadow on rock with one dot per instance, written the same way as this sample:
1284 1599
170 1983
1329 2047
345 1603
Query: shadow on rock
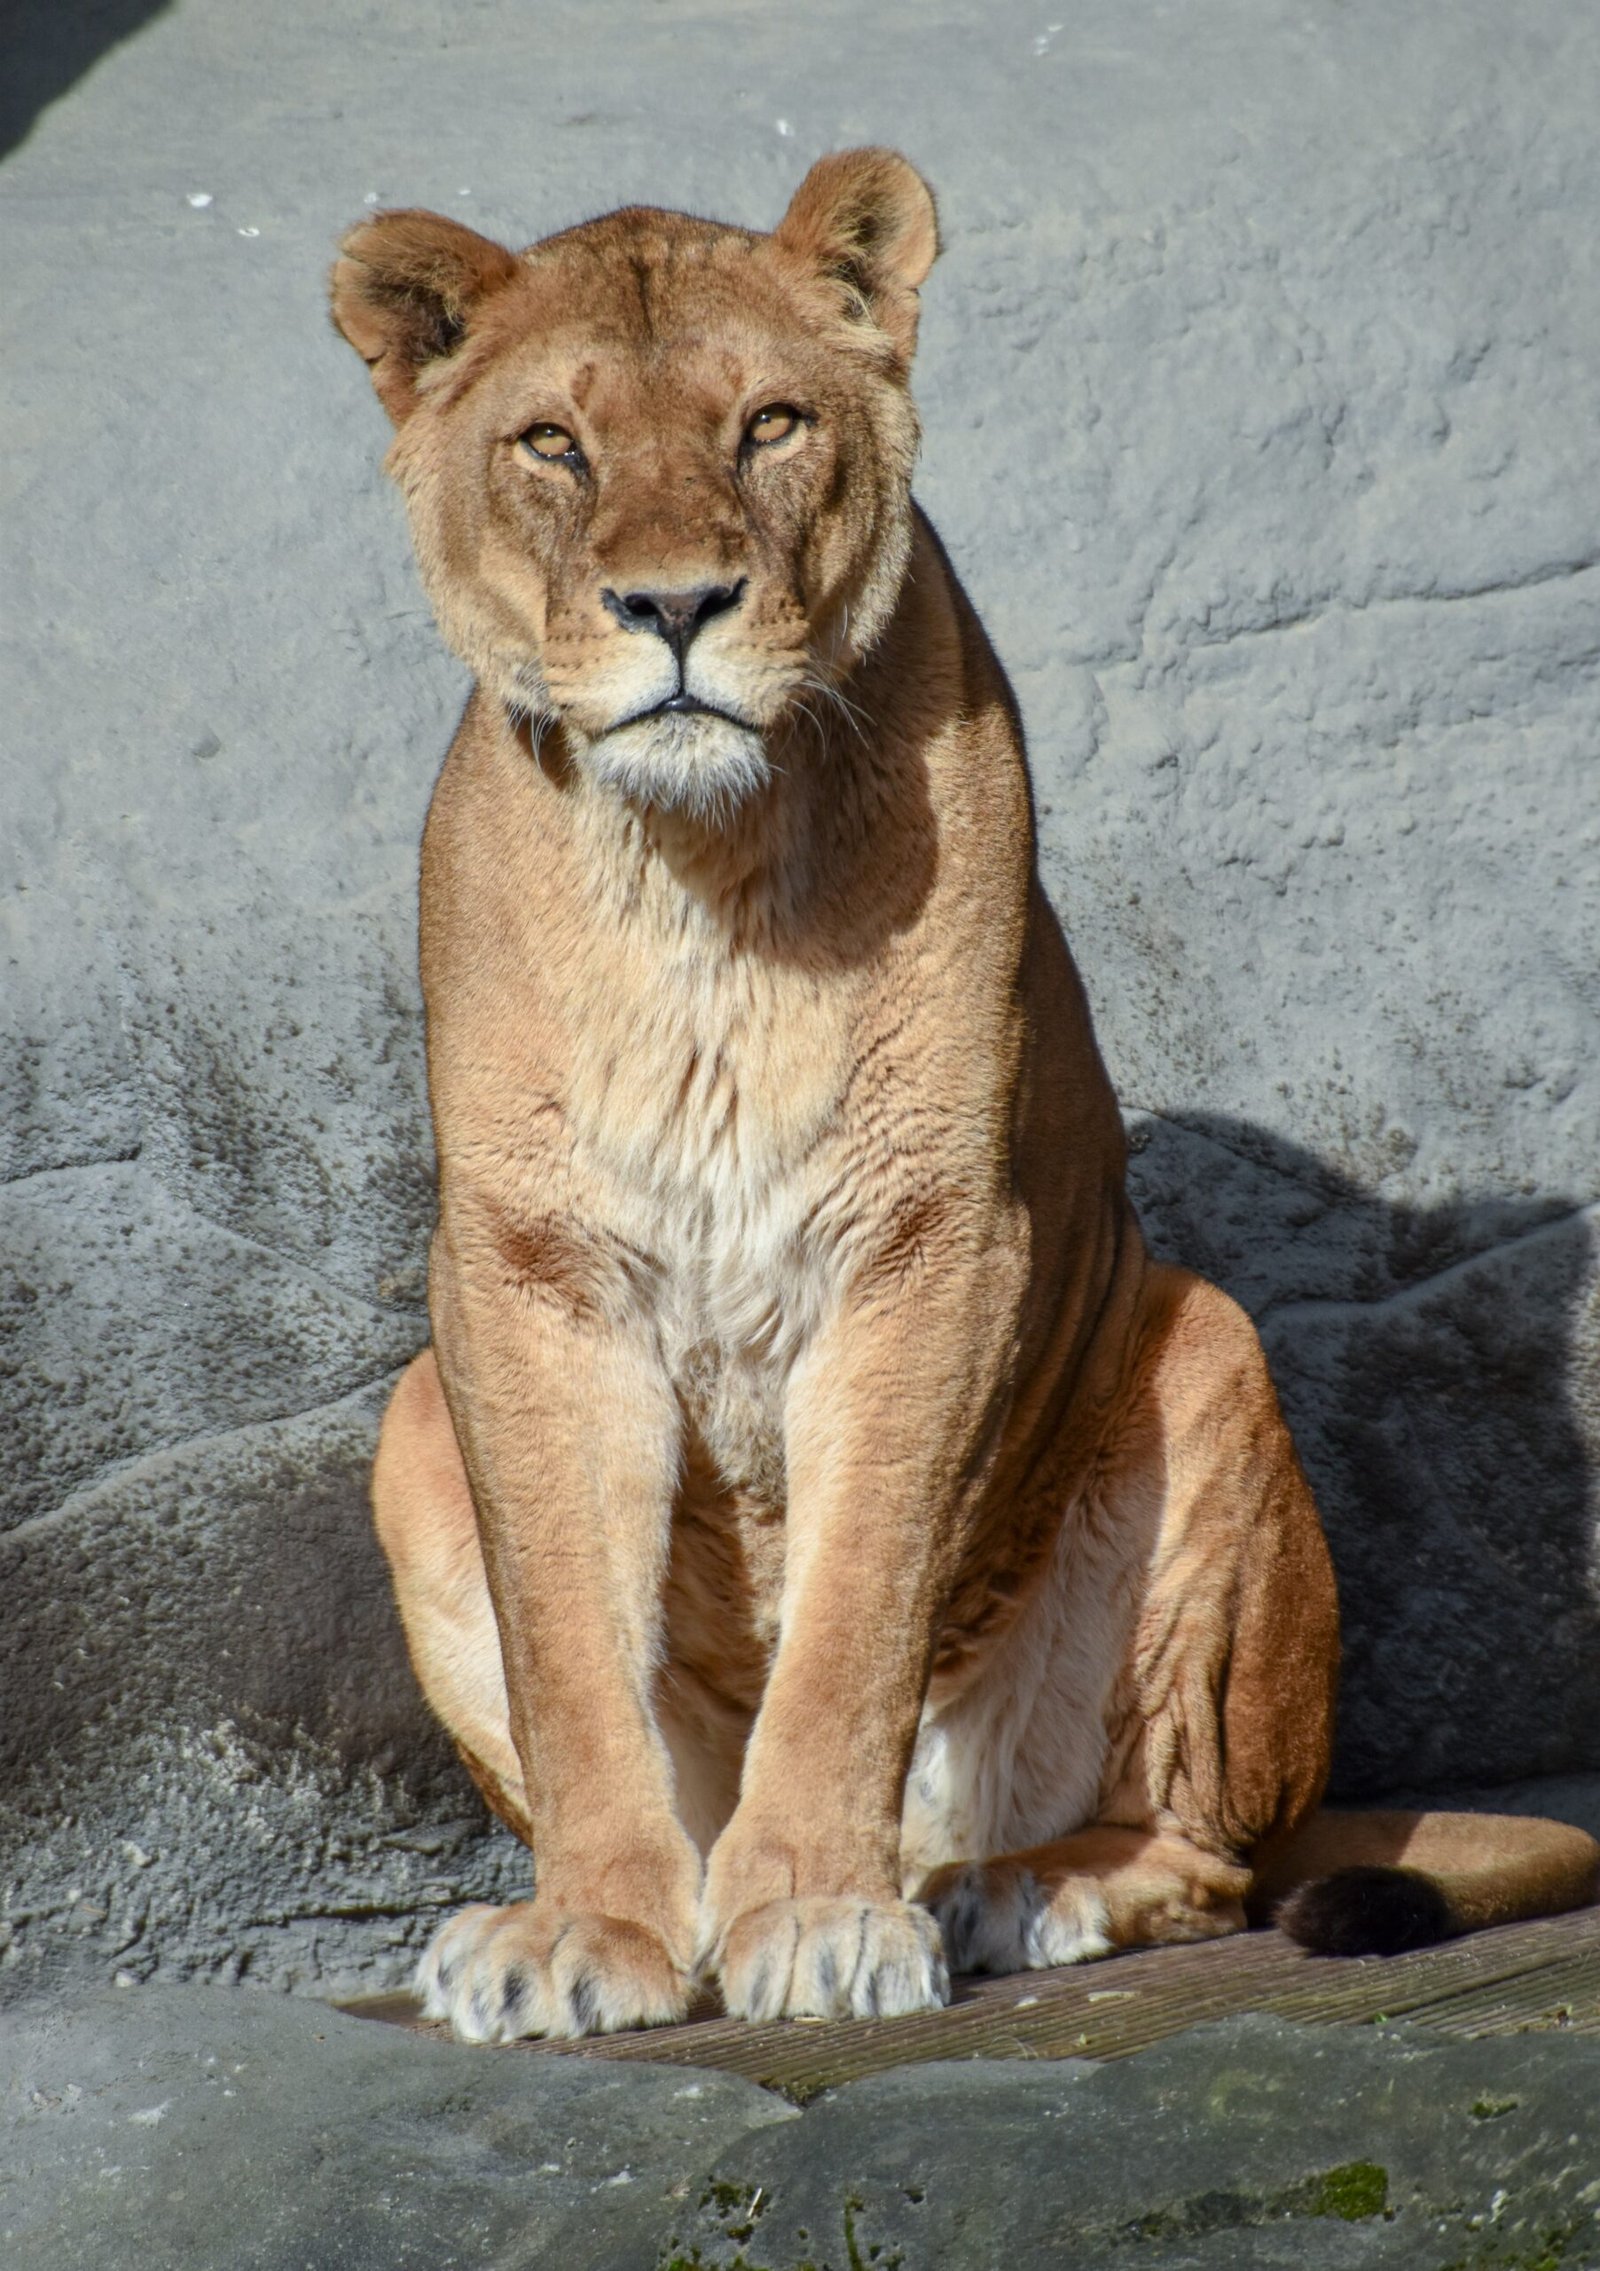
49 44
1438 1365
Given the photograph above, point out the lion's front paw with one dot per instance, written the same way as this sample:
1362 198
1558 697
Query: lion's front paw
832 1957
497 1973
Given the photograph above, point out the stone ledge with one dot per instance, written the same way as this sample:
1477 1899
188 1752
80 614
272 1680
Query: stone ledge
207 2130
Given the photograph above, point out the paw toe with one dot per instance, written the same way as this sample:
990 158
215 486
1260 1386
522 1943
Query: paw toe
500 1973
832 1959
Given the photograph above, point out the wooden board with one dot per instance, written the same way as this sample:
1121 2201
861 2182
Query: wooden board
1516 1978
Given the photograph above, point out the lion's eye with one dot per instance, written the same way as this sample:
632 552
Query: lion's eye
773 424
550 442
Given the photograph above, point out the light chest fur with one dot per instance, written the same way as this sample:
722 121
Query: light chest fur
707 1106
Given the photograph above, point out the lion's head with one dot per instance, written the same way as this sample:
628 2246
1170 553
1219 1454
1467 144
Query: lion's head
658 470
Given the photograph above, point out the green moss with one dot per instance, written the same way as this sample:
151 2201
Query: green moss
1548 2252
874 2259
727 2199
737 2207
695 2261
1353 2191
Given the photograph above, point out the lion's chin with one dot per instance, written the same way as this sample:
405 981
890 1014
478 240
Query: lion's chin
699 765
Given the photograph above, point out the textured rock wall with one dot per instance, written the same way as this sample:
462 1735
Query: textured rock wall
1260 379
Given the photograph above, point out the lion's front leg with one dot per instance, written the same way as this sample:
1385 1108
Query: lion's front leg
569 1435
885 1426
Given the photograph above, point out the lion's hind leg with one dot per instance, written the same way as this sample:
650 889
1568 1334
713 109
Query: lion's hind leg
1219 1723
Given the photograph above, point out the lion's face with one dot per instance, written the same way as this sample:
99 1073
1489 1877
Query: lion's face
658 470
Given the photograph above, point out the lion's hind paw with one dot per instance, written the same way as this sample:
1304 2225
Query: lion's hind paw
999 1918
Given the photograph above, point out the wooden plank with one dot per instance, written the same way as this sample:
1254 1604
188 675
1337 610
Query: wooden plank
1562 1996
1518 1976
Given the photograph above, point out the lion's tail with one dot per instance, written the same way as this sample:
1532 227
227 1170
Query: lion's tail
1358 1884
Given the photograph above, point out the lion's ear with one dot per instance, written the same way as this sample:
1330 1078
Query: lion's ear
403 291
866 218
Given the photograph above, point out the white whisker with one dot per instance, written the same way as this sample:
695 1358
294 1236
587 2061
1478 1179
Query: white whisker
853 716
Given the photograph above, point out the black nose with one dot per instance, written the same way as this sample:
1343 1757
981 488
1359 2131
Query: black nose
673 615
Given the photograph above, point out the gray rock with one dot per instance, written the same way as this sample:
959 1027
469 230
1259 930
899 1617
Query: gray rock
1258 378
245 1782
193 2129
1248 2144
1440 1367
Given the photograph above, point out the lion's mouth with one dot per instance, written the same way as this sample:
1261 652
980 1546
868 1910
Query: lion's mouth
683 705
683 755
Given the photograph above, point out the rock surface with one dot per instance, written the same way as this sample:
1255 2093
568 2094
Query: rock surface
249 2133
1232 2148
189 2128
1259 380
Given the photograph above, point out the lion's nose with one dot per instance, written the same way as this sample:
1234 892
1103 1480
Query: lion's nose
673 615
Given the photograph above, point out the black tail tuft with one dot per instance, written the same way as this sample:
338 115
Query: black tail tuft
1367 1912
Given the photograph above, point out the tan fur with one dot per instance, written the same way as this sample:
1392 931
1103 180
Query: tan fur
814 1495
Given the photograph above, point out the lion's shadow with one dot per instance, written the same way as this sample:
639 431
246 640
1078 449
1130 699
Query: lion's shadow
50 44
1432 1362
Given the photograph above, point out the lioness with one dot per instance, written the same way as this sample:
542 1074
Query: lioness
834 1544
